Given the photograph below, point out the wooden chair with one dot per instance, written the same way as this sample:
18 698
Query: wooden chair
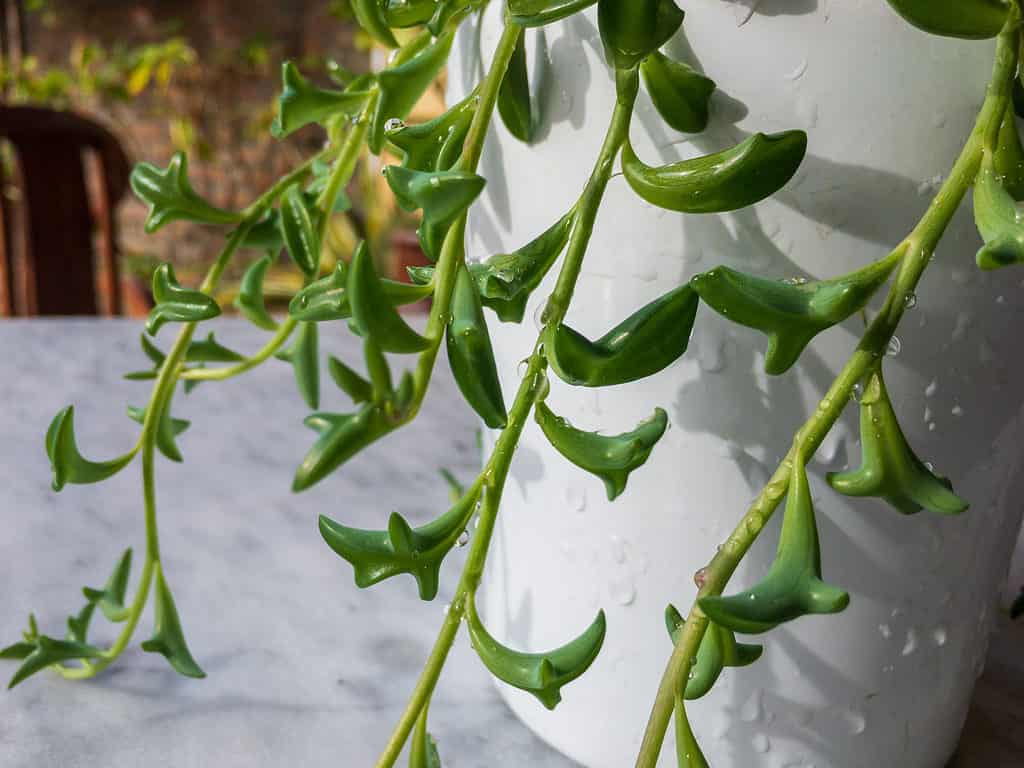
57 271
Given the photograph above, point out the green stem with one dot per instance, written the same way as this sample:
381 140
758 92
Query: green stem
915 253
494 475
275 343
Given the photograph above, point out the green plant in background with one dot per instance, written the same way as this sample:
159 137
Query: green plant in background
438 175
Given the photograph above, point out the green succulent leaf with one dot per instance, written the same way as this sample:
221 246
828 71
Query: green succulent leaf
78 625
725 181
370 16
541 674
538 13
471 355
632 30
170 196
648 341
167 430
380 371
679 92
67 464
889 469
110 599
177 304
401 14
379 555
1008 161
304 355
265 234
514 95
611 457
423 749
168 638
718 650
789 313
1000 220
349 382
45 652
688 751
342 436
793 585
448 12
402 84
373 313
436 144
302 103
250 301
209 350
506 280
442 195
327 298
17 651
972 19
300 231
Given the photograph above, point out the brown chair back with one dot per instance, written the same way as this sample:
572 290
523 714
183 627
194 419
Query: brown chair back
60 272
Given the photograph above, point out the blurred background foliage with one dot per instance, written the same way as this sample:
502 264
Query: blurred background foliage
202 76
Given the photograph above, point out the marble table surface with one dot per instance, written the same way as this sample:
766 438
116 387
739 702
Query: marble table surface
303 668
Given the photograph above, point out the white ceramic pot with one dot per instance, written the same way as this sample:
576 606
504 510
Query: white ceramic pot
886 683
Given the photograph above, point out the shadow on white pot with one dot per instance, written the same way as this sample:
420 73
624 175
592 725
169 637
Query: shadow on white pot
887 109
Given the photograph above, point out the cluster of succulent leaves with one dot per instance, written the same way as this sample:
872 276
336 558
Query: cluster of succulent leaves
437 176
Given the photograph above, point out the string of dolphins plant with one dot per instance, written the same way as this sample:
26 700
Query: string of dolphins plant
438 176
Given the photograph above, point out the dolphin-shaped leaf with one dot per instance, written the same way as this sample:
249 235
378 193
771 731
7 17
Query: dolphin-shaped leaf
972 19
679 92
790 314
379 555
793 586
611 457
373 313
889 469
302 103
631 30
168 637
725 181
327 298
111 598
542 674
648 341
177 304
342 436
68 465
45 652
170 196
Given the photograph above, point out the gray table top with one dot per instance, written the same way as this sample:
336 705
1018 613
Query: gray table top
304 668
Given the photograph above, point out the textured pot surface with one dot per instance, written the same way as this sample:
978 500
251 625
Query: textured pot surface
887 109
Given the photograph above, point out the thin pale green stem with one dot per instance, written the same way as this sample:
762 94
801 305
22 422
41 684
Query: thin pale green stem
915 253
495 473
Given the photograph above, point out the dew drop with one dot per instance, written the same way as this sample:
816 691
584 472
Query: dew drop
622 591
522 368
957 410
911 642
855 721
576 498
435 181
885 630
889 669
394 124
857 392
463 539
795 280
700 577
894 347
939 636
618 549
932 388
910 300
752 709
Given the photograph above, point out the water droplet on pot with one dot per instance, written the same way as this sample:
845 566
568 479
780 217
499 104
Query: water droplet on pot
911 642
855 721
622 591
932 388
894 347
700 577
885 630
957 410
618 549
798 72
760 743
939 636
752 709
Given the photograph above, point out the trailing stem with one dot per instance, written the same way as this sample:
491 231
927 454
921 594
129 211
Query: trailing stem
914 254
